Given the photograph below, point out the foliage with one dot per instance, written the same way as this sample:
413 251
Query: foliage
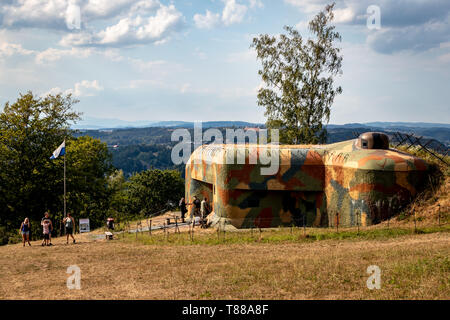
437 164
118 196
150 191
434 191
137 158
298 79
89 165
30 130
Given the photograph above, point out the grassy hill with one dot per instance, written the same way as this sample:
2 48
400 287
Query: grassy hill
413 266
412 252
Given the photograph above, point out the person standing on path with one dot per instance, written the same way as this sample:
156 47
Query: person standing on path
203 211
183 209
46 225
69 222
46 221
197 205
25 229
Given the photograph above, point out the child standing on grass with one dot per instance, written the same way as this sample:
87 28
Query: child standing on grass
46 231
47 217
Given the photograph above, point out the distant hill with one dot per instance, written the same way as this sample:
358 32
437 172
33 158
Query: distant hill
138 148
98 123
408 124
102 123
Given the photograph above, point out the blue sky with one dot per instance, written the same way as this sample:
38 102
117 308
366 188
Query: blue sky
190 60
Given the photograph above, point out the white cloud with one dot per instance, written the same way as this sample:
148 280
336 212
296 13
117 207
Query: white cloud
52 54
135 21
55 13
132 30
10 49
94 9
53 91
344 15
113 55
207 21
233 12
417 25
84 88
35 13
146 65
413 38
256 4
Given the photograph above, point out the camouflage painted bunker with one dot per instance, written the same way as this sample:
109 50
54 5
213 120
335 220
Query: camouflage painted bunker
358 181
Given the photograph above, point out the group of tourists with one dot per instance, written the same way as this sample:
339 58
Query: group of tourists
201 209
47 228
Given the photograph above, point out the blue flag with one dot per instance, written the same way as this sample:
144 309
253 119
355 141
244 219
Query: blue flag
60 151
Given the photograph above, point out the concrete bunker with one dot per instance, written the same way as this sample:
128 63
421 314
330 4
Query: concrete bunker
359 181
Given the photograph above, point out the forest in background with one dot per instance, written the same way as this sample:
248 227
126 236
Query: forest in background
139 149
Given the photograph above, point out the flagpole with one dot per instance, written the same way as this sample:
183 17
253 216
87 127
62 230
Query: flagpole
64 183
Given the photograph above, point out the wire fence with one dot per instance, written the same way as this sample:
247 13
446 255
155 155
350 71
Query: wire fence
173 229
431 146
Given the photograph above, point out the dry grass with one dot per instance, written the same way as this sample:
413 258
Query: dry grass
413 267
434 201
282 265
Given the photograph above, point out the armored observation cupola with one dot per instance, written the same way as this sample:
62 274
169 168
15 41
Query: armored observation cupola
373 140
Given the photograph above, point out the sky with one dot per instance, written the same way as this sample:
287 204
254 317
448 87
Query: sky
161 60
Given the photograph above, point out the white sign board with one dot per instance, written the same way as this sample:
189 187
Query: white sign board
84 225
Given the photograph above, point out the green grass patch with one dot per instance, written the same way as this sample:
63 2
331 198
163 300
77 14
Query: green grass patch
413 275
278 235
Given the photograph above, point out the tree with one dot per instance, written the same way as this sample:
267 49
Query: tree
30 183
30 130
298 79
89 165
150 191
118 195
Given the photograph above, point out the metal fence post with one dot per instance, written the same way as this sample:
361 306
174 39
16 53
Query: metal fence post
337 221
439 214
164 228
357 219
176 225
304 224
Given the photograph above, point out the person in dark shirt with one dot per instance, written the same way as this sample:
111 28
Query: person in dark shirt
183 208
197 204
25 229
69 223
